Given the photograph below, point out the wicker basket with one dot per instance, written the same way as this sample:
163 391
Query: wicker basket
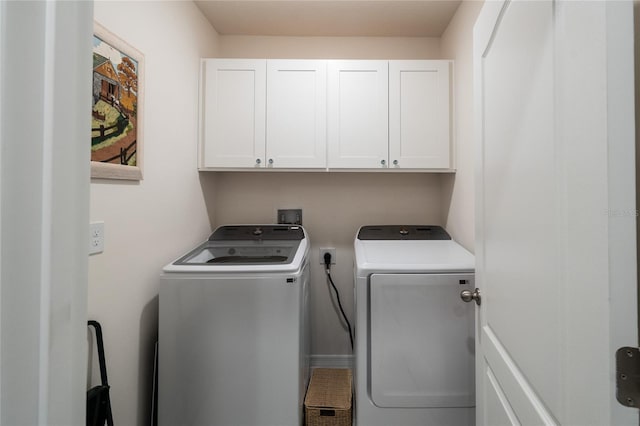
328 400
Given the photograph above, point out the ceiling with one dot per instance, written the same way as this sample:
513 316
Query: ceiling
381 18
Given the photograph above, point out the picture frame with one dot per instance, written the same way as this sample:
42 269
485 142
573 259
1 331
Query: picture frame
117 130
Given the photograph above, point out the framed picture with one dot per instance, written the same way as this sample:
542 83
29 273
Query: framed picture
118 108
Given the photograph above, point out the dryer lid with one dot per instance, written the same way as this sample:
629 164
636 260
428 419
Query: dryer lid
409 249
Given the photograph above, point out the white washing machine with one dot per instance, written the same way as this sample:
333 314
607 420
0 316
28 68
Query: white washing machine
234 329
414 354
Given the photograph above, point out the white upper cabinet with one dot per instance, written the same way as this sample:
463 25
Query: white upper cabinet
296 133
233 113
319 114
357 122
419 115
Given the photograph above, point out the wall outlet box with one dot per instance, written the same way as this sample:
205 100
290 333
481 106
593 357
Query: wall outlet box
96 237
331 251
290 216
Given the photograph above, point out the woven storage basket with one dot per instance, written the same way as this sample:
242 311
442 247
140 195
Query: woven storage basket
328 400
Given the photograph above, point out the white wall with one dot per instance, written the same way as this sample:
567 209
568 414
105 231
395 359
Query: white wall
458 189
149 223
329 47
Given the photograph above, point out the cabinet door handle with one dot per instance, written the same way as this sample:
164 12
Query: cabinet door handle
258 161
395 162
270 160
383 162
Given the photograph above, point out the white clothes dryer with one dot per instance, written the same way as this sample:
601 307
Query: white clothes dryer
414 350
234 329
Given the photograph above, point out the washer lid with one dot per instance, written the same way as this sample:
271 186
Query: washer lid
241 252
247 249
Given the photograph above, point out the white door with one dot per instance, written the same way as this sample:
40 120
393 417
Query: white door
45 87
296 113
358 114
555 211
233 113
419 115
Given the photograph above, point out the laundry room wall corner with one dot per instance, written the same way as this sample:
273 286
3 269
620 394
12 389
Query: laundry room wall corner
150 222
458 189
208 184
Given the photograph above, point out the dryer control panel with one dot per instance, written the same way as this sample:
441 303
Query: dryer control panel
403 232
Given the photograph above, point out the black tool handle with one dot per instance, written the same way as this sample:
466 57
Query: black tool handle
103 368
100 344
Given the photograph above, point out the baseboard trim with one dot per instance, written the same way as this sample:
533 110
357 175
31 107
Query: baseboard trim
331 361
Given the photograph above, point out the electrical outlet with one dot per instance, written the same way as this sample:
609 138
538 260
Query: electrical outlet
331 251
96 237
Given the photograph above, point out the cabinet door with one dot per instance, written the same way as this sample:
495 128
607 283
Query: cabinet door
358 106
296 113
233 113
419 114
